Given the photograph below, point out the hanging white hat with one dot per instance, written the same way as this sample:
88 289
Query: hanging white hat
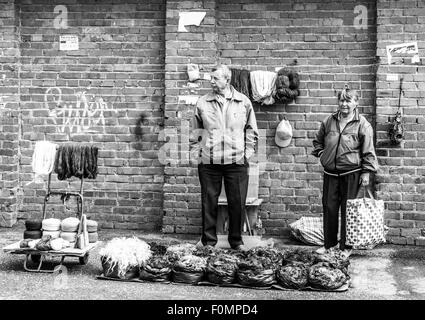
283 134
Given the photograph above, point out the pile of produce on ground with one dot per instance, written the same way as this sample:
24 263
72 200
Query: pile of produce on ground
189 269
122 257
289 268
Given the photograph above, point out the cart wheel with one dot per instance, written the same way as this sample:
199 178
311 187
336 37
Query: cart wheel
35 258
84 259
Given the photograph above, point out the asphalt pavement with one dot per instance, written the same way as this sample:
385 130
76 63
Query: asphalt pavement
387 272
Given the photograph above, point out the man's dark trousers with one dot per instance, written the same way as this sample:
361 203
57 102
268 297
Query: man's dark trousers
236 187
336 191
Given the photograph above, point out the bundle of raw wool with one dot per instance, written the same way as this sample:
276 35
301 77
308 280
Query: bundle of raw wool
125 253
287 84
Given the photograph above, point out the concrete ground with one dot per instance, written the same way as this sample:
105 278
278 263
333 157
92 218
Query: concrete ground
385 273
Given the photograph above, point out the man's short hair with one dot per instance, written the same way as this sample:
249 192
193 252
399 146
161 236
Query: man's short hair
224 70
348 94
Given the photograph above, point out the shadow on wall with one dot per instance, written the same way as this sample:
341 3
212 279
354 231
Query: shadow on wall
138 132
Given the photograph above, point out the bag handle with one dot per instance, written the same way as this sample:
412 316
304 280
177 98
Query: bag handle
368 191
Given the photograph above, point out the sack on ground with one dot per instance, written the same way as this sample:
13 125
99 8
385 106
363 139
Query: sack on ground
308 230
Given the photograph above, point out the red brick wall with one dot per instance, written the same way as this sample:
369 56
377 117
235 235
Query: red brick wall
132 63
181 188
401 183
9 113
265 36
118 75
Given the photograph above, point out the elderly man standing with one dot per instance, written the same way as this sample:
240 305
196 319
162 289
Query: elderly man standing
224 134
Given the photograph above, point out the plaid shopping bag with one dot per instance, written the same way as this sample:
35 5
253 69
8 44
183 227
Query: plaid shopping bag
365 222
308 230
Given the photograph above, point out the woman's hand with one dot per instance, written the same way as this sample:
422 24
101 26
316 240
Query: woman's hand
364 179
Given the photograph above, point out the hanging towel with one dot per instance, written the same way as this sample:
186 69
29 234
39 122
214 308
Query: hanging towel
263 84
43 159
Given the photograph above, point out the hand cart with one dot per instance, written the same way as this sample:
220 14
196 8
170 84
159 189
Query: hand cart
39 256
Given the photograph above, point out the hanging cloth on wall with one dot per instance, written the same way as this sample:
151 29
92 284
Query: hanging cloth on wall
43 159
263 84
240 81
76 160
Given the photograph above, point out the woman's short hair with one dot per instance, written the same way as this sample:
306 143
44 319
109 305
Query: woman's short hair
348 94
224 70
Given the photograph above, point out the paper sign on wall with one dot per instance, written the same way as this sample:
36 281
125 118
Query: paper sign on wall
190 19
68 42
403 48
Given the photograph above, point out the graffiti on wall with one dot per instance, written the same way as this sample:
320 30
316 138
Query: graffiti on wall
85 112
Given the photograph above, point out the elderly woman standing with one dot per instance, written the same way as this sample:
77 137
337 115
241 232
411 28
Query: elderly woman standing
344 144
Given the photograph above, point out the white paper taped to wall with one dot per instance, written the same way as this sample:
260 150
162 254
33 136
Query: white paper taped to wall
403 48
192 100
189 19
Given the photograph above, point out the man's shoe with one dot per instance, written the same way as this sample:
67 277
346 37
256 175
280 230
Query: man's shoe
241 247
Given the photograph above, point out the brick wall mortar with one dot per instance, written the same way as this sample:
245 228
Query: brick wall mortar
9 108
400 182
268 35
181 187
118 76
